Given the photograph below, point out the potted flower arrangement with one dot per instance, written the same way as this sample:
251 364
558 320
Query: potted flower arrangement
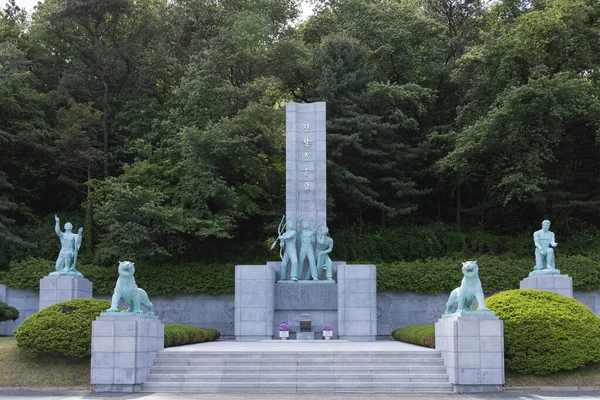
284 331
327 331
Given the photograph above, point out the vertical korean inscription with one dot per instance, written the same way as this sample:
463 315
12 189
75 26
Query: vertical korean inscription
305 162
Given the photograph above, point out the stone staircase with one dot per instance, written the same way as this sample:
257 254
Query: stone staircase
298 371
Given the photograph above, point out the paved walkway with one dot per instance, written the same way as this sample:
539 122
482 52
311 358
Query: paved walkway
20 395
301 346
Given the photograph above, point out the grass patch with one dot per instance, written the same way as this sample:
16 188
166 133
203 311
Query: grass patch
585 376
421 335
17 368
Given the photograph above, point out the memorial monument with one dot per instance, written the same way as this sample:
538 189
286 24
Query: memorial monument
65 283
471 341
331 292
545 276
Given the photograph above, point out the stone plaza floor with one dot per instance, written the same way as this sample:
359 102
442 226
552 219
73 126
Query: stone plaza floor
300 346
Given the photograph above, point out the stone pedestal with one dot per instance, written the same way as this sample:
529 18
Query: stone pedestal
54 289
305 335
254 302
472 348
123 350
561 284
357 302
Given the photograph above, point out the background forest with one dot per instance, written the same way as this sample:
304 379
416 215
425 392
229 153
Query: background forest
159 125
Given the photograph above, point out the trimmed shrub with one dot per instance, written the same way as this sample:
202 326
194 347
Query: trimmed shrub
180 334
8 313
63 328
422 335
545 332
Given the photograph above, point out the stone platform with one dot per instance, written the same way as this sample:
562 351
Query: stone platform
57 288
557 283
298 367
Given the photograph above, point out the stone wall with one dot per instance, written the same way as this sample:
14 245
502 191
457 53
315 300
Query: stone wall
394 310
26 301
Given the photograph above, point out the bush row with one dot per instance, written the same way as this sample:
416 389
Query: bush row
429 276
154 279
62 328
409 243
544 332
66 328
8 313
422 335
180 334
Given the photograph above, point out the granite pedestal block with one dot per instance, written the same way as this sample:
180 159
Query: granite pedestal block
472 349
294 299
561 284
254 301
357 302
305 335
123 350
54 289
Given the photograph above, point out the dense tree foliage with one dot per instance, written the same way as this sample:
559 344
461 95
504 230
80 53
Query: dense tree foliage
159 125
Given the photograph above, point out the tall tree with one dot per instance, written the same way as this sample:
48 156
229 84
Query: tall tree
93 45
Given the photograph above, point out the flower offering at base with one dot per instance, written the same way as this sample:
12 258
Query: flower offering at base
284 331
327 331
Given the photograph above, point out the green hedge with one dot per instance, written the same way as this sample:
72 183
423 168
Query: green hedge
156 280
545 332
410 243
430 276
422 335
8 313
180 334
62 328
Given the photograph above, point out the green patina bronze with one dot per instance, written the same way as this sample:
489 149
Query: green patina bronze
545 243
70 244
324 247
469 290
127 290
307 238
287 242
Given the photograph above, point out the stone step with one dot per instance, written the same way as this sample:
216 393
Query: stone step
372 369
300 354
292 387
288 378
293 361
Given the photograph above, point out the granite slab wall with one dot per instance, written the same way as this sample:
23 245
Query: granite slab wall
357 302
318 300
254 302
24 300
394 309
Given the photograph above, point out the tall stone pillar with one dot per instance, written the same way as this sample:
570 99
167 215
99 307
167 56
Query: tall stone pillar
306 163
357 302
254 302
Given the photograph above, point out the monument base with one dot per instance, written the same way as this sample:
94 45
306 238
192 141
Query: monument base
472 348
561 284
57 288
306 282
305 336
470 313
123 350
544 272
